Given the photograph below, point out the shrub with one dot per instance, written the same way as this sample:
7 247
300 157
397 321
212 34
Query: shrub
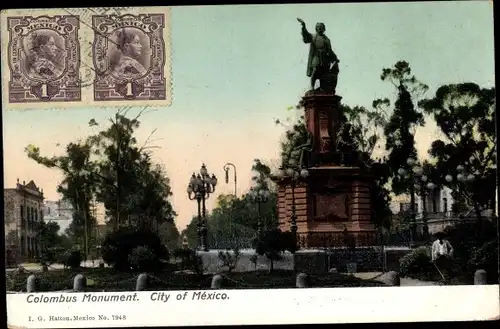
118 245
142 259
52 255
418 264
72 259
181 253
192 261
467 237
486 258
254 259
229 259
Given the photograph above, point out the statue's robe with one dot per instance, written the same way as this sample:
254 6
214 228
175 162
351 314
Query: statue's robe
45 69
321 54
129 68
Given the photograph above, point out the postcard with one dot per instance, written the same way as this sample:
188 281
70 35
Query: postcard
264 164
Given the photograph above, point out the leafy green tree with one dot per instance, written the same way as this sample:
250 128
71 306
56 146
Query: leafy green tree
110 167
465 115
77 186
133 190
169 235
233 221
191 232
272 244
399 130
52 244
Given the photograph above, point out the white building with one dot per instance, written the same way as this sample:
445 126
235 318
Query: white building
60 212
438 206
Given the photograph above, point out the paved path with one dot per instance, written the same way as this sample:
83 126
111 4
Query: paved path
405 282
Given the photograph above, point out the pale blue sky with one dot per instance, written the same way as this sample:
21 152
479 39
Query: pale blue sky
236 68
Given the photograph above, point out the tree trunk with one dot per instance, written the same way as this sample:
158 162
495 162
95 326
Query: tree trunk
271 265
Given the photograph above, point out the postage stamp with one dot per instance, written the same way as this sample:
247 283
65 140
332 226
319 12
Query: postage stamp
81 57
43 59
129 57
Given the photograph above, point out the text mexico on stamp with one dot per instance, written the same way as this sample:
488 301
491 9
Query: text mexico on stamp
43 59
85 57
129 57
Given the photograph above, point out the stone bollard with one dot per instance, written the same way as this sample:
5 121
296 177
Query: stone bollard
480 277
79 283
392 279
302 280
217 282
142 282
31 283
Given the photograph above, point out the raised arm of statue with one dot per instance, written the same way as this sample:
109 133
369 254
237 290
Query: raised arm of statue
306 36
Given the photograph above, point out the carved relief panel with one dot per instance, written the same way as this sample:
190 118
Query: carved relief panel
331 206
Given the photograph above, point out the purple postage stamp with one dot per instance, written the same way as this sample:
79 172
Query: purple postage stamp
129 57
43 59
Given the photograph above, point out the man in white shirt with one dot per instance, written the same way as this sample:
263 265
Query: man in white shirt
442 253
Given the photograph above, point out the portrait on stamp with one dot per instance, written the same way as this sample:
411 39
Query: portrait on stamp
44 59
129 57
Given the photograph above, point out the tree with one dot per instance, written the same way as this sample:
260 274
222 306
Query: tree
78 185
133 190
169 235
52 244
233 221
272 244
111 168
465 115
400 128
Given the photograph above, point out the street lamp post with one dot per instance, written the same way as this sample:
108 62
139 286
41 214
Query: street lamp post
226 168
199 188
419 182
293 176
259 197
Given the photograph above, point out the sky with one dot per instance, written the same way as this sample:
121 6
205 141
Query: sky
235 69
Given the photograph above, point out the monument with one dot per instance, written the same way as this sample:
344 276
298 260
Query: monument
334 199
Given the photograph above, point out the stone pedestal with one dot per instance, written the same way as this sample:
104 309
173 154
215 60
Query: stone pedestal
333 198
321 114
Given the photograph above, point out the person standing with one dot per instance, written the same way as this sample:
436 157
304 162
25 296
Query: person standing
442 254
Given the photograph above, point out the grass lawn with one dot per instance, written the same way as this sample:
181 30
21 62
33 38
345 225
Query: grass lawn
109 280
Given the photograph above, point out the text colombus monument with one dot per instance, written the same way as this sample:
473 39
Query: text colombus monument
329 199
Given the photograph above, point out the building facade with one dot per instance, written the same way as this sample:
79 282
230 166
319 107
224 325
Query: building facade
23 210
60 212
437 209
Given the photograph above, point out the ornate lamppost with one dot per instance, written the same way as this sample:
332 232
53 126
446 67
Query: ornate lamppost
419 182
199 188
293 176
259 197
